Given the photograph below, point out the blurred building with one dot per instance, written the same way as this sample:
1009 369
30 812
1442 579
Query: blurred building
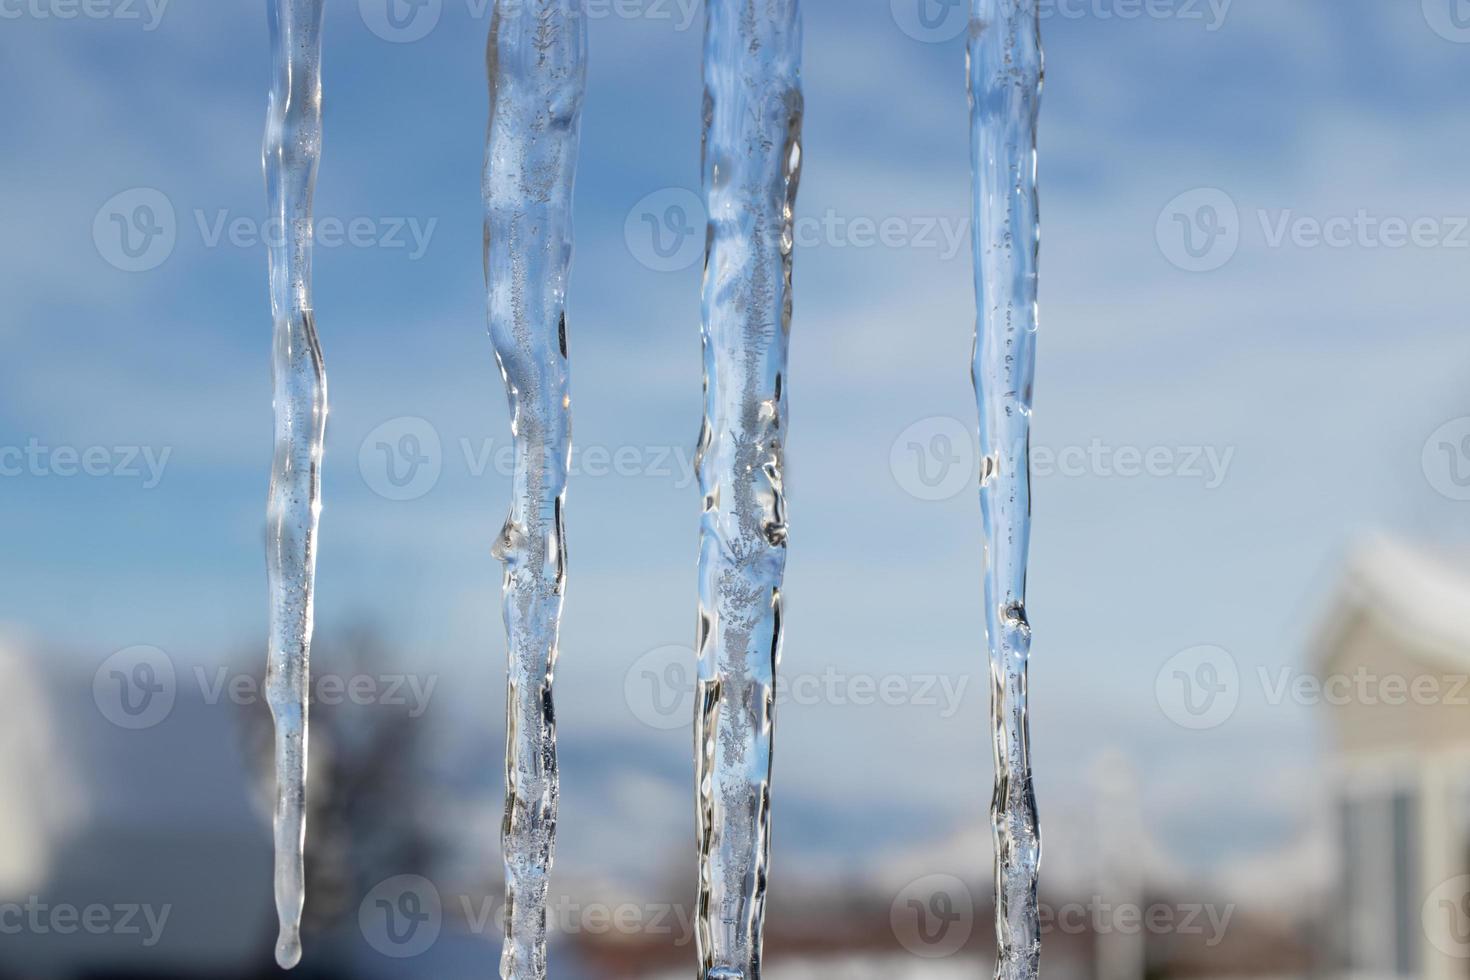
170 828
42 797
1393 671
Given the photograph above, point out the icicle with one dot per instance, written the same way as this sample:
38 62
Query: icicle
537 64
752 161
292 148
1005 74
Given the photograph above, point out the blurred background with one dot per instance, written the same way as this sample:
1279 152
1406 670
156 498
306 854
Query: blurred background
1251 575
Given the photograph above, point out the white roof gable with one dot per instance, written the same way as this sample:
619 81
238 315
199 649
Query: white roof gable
1419 598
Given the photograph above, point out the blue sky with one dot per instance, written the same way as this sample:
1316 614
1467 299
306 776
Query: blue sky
1318 372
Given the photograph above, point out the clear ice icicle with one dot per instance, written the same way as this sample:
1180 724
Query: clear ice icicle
536 56
752 162
292 148
1005 76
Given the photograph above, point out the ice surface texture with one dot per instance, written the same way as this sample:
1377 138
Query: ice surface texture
536 56
1005 76
752 162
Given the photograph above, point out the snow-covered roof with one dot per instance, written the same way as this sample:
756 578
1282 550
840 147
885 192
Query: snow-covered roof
1418 597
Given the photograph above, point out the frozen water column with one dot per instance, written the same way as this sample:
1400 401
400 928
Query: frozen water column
752 162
